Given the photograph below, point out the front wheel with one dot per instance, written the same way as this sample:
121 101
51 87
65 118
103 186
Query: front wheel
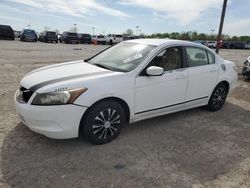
104 122
218 97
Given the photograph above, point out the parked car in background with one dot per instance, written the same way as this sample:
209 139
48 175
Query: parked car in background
247 45
246 68
48 36
238 45
84 38
211 44
6 32
113 38
226 45
129 82
98 39
69 38
28 35
17 34
130 37
202 42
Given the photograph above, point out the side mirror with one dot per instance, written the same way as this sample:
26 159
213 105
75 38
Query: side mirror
154 71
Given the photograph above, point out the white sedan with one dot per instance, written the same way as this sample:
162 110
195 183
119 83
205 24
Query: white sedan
126 83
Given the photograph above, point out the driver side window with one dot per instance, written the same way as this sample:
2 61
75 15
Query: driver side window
168 59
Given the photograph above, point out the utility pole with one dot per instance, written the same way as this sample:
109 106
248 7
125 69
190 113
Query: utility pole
221 25
75 27
29 23
93 30
212 33
137 27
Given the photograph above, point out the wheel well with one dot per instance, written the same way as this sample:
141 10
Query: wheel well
226 84
118 100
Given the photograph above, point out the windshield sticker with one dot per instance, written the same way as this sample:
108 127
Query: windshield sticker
129 59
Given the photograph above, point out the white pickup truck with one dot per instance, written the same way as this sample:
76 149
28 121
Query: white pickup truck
113 38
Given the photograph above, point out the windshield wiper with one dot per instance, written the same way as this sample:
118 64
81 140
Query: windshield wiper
102 66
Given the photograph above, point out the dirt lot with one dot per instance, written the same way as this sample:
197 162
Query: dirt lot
195 148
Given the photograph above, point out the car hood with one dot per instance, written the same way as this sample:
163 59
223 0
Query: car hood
60 72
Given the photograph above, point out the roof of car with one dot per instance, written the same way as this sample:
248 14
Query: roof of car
158 42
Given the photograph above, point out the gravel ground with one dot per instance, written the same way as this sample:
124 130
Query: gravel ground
194 148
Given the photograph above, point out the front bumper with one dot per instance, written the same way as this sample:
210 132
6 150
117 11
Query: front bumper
59 122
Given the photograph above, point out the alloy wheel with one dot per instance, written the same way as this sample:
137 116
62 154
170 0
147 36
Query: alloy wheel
219 97
106 124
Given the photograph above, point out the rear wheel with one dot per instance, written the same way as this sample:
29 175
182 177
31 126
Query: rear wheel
218 97
104 122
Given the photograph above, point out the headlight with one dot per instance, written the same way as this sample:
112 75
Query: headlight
58 98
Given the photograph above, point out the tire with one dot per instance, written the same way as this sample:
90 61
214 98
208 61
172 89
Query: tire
218 97
104 122
110 42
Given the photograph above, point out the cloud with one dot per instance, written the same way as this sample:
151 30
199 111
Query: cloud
11 18
237 27
183 11
77 8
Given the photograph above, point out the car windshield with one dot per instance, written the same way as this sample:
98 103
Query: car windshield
123 57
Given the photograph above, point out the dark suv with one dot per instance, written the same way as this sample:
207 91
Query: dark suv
48 36
69 37
28 35
6 32
238 45
84 38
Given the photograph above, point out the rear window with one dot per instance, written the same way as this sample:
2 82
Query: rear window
29 31
5 27
119 36
211 57
100 37
72 34
197 56
86 35
51 33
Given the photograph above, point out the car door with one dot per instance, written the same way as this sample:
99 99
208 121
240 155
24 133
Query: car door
202 75
156 95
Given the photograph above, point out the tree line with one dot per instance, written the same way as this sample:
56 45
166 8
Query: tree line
193 35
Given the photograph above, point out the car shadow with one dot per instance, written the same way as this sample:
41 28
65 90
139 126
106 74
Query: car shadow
177 150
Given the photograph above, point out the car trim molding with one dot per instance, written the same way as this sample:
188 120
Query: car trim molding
42 84
170 105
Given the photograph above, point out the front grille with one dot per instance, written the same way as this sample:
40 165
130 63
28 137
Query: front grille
26 94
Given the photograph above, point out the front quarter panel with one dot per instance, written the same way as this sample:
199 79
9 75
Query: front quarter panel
119 86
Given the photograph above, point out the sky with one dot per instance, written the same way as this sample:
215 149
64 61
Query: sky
110 16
